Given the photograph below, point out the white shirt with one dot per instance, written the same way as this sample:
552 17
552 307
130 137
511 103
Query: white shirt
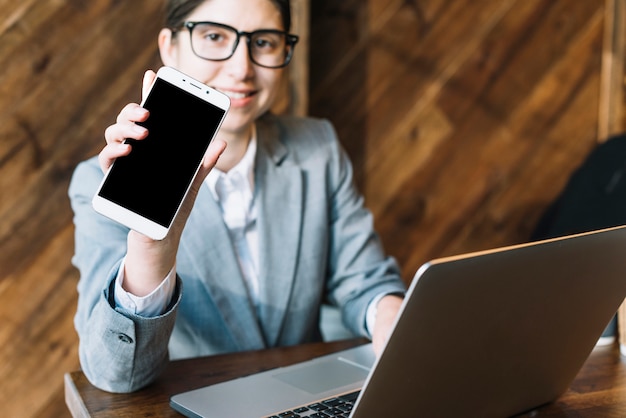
234 191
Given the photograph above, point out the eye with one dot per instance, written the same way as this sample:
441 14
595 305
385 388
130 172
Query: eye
268 41
263 43
212 34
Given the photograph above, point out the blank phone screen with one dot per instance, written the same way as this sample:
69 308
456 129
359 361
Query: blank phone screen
153 179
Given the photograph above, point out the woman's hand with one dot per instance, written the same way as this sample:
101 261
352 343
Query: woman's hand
149 261
386 312
126 127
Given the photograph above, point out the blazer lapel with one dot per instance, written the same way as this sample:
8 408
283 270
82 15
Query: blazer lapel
210 250
279 205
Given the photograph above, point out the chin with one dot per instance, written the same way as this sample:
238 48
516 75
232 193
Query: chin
236 120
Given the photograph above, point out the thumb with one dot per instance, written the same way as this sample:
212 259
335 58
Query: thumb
212 154
148 78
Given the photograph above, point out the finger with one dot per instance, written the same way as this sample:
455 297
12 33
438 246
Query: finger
125 126
118 133
132 112
110 153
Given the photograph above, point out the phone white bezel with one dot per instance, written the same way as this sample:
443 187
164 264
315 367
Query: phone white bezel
131 219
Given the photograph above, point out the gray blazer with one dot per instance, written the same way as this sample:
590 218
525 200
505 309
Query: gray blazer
317 244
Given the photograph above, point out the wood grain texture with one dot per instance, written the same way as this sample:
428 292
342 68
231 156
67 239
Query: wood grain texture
154 399
597 391
610 118
464 120
68 67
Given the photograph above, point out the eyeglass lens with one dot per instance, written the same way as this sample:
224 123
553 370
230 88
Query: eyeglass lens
214 42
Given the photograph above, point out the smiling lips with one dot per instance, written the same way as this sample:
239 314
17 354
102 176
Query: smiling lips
238 95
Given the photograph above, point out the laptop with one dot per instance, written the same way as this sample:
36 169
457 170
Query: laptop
487 334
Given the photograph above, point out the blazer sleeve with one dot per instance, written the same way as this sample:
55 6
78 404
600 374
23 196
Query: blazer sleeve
359 269
118 351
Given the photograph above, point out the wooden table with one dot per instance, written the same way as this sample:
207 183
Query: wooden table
599 390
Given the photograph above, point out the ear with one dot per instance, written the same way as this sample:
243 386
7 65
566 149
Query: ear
168 48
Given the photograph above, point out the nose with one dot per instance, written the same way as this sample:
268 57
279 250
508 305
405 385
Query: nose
239 64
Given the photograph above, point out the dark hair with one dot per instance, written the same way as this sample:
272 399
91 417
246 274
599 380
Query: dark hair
176 11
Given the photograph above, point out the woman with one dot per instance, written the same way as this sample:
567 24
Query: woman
222 281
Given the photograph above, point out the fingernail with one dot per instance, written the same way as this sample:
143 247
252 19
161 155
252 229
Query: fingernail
140 112
140 130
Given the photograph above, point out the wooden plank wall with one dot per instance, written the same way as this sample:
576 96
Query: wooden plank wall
610 111
66 67
464 119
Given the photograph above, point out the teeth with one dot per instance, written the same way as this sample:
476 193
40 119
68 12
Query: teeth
236 95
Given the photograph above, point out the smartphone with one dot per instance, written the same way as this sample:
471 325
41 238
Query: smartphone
145 189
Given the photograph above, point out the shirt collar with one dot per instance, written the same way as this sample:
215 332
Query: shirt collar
244 168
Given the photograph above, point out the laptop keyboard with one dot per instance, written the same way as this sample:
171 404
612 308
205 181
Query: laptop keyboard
338 407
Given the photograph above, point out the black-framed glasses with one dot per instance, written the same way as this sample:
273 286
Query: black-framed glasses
268 48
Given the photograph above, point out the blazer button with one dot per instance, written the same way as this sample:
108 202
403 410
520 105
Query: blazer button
125 338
